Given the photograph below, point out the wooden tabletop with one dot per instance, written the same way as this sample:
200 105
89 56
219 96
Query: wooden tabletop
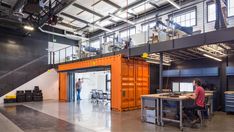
164 96
229 92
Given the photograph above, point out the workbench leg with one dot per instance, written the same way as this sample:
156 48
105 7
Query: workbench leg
142 107
161 112
157 111
181 115
211 103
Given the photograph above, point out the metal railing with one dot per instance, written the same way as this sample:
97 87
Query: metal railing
202 25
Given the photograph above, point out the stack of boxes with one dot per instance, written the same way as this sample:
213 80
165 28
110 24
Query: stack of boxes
37 94
25 96
20 96
28 95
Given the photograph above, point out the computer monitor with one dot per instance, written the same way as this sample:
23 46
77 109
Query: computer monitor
186 87
175 86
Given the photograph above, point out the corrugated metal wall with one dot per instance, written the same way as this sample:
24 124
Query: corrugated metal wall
135 82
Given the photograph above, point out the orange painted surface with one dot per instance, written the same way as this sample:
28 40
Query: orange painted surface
114 62
142 80
129 79
63 86
135 82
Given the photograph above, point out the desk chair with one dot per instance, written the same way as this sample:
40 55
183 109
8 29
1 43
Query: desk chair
108 98
100 96
201 116
94 96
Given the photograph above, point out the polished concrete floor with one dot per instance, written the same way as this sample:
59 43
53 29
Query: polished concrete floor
84 116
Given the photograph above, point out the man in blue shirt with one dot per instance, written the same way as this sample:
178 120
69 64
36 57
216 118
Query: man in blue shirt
78 88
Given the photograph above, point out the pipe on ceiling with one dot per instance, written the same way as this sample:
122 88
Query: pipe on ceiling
73 37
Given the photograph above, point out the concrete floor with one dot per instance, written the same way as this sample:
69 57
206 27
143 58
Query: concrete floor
99 118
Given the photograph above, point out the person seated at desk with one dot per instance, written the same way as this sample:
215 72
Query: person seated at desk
199 97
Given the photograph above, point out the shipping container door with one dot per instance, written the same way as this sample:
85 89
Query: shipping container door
131 83
124 85
145 80
63 86
138 78
128 90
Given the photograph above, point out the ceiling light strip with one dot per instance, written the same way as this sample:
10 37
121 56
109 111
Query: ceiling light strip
174 4
214 58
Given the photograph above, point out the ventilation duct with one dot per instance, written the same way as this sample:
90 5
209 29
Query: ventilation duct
18 8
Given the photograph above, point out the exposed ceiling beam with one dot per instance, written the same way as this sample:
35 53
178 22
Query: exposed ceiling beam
119 10
68 25
150 12
56 9
178 56
4 4
122 19
188 53
154 5
183 55
99 27
132 5
174 3
75 18
112 3
88 10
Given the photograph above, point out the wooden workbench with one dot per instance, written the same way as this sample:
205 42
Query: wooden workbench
158 101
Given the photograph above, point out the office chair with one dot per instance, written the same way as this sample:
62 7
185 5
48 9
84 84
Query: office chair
108 98
94 96
204 114
201 115
100 96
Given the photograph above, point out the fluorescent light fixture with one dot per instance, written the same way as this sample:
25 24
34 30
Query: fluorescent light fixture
214 58
155 62
28 27
174 4
99 27
122 19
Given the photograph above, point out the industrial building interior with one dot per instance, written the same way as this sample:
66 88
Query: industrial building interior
116 65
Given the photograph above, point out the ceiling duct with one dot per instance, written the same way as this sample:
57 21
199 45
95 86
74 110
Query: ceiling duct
18 8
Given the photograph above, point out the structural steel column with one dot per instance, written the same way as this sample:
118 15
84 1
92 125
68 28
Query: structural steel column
160 72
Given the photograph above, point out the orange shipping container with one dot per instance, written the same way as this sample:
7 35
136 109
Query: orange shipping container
130 79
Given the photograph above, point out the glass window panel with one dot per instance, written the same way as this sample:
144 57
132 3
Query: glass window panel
152 24
193 22
178 19
182 23
211 12
95 44
182 18
187 16
193 15
188 23
132 31
230 7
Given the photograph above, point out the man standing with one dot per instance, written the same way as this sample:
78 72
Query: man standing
78 88
199 97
